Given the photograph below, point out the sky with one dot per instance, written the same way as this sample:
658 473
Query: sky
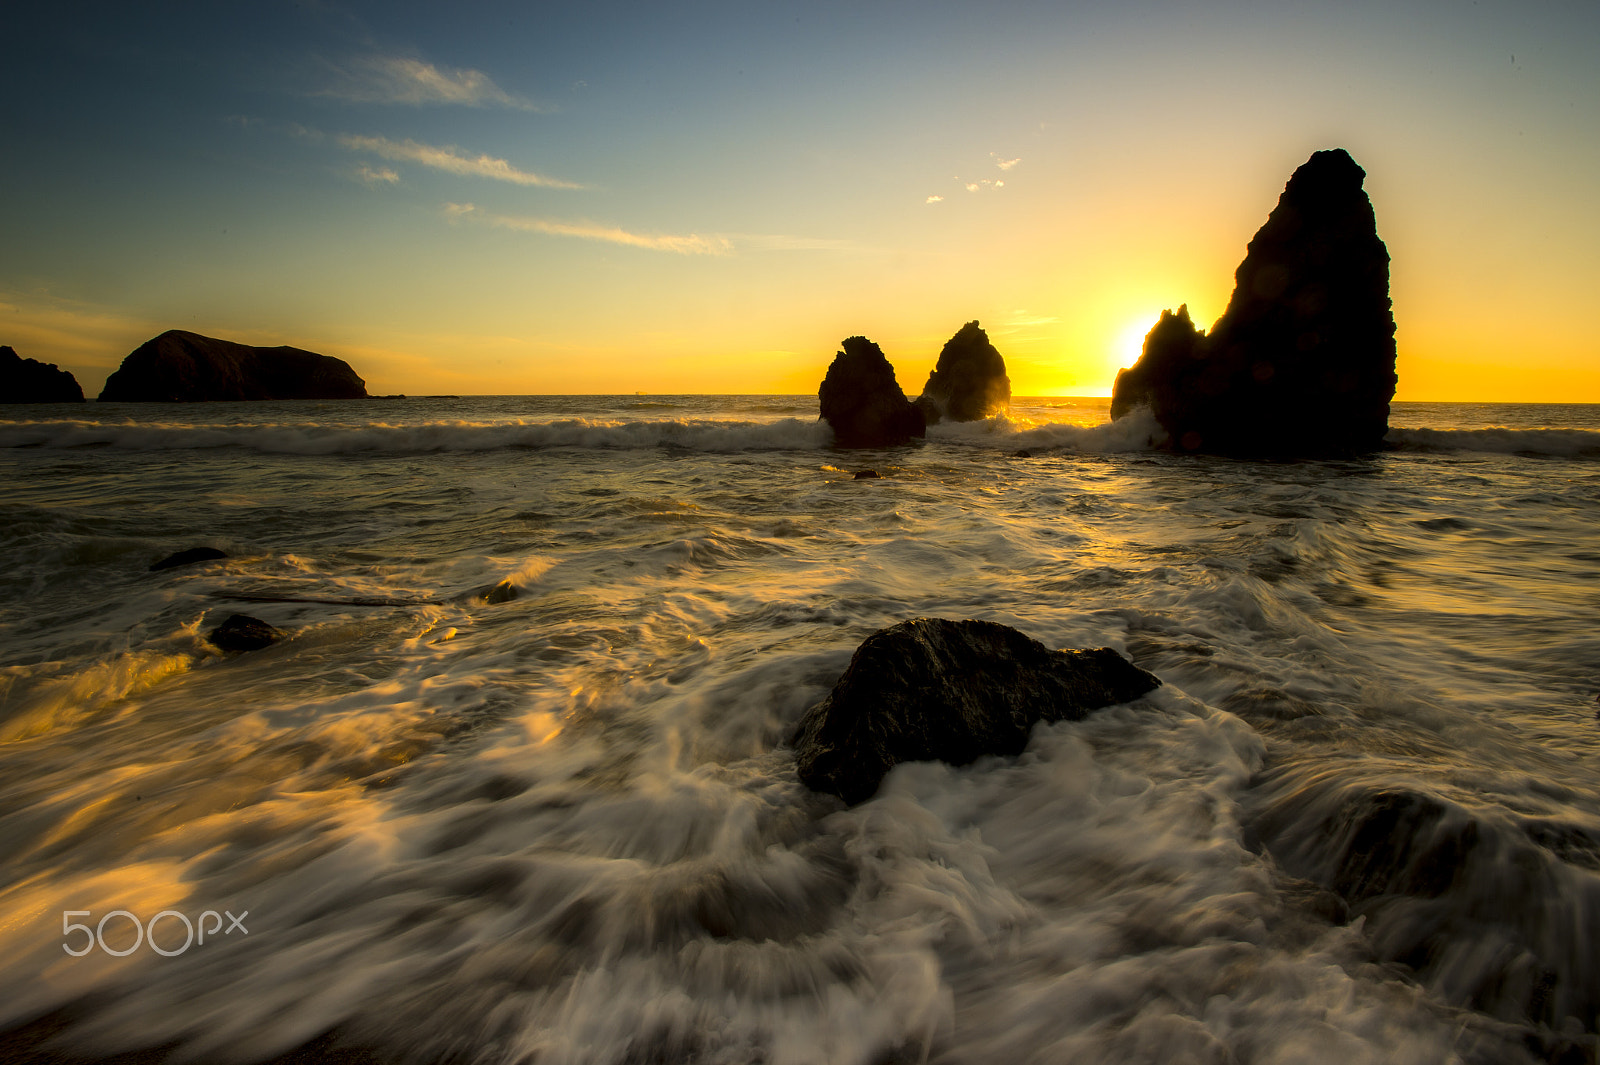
526 198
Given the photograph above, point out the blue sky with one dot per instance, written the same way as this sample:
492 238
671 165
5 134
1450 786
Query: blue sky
509 197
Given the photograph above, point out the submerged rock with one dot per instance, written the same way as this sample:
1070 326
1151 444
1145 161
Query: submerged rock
503 592
862 401
188 558
952 691
183 367
31 381
1491 910
241 632
968 382
1302 362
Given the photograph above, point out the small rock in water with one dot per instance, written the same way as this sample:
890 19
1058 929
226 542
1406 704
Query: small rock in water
503 592
1023 453
189 557
241 632
952 691
866 475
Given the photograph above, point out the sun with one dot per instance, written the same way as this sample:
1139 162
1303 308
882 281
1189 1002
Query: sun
1130 341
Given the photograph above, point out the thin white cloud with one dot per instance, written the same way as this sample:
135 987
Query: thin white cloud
934 199
452 160
394 79
1004 164
690 244
973 186
381 175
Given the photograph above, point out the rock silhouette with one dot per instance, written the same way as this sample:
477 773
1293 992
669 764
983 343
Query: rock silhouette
31 381
952 691
968 382
188 557
862 401
1302 361
183 367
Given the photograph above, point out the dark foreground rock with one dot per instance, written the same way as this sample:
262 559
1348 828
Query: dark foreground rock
952 691
862 401
183 367
968 382
31 381
188 558
1302 361
241 632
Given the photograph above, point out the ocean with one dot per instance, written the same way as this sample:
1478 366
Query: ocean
1359 822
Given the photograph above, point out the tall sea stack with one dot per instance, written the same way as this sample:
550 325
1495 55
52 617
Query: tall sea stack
1302 361
969 381
183 367
862 401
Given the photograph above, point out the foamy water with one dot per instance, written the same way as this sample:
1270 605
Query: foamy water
1360 821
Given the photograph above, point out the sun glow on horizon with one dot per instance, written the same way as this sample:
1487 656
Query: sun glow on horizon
1130 342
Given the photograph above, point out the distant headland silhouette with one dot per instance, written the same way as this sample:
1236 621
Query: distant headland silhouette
184 367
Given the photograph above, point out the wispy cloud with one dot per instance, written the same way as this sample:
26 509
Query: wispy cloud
934 199
381 175
452 160
1004 164
985 183
394 79
689 244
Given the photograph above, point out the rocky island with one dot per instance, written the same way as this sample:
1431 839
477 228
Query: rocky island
31 381
184 367
1302 362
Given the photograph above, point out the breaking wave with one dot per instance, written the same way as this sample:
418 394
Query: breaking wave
311 439
1136 432
1559 443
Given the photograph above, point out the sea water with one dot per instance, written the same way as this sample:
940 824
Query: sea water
1360 821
